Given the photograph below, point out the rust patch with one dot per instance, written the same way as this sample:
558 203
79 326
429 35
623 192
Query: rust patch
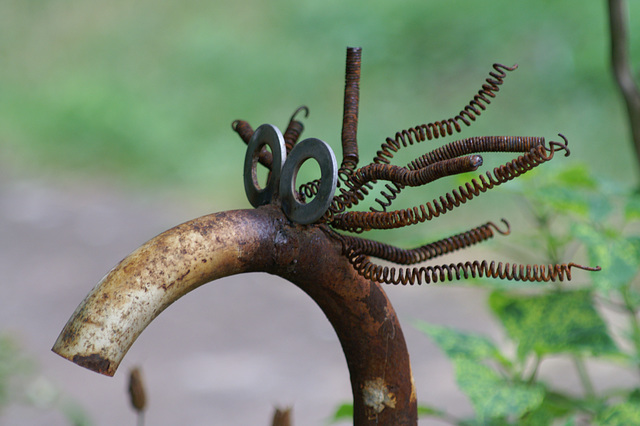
376 396
94 362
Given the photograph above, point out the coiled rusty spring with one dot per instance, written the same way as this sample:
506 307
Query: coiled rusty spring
363 221
355 185
458 148
447 126
428 274
358 251
444 161
362 246
437 129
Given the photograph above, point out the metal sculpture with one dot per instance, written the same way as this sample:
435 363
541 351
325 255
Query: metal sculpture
298 234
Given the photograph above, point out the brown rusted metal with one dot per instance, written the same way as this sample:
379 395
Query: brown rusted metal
245 131
355 221
426 252
117 310
332 268
350 112
131 295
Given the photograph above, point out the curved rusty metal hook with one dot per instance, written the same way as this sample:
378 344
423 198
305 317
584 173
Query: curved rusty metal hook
118 309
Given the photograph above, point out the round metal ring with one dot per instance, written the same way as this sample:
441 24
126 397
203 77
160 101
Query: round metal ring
266 134
292 205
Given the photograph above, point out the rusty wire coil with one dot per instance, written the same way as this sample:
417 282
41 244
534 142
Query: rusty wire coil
347 198
406 177
359 180
309 190
427 274
474 145
355 184
362 221
243 129
294 128
350 112
391 193
455 149
447 126
423 253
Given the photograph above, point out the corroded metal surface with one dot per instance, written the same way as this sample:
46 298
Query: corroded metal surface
334 269
133 293
118 309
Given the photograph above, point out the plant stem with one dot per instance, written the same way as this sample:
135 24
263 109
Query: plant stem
584 377
534 373
622 69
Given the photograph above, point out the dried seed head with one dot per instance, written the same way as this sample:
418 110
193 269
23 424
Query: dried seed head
136 390
282 417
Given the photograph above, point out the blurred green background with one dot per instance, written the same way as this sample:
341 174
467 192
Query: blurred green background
144 92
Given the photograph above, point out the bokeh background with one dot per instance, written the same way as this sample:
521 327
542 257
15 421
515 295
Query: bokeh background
115 124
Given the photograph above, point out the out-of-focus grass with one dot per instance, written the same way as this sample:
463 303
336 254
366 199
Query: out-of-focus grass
145 91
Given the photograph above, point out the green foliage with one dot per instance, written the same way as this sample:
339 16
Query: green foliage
618 255
572 212
458 344
493 396
553 323
626 413
343 412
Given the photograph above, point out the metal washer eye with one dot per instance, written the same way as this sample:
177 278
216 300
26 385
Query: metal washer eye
270 135
292 206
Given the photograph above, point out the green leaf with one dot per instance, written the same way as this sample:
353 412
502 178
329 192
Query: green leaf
618 256
456 343
571 190
626 413
576 176
564 199
491 395
425 410
563 322
592 205
634 396
599 207
554 406
343 412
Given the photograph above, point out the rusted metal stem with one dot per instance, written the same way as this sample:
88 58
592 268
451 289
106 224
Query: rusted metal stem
118 309
350 113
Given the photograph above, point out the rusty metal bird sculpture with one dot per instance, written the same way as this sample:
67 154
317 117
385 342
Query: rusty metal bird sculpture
308 234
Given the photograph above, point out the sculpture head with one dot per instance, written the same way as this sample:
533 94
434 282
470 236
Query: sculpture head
305 234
